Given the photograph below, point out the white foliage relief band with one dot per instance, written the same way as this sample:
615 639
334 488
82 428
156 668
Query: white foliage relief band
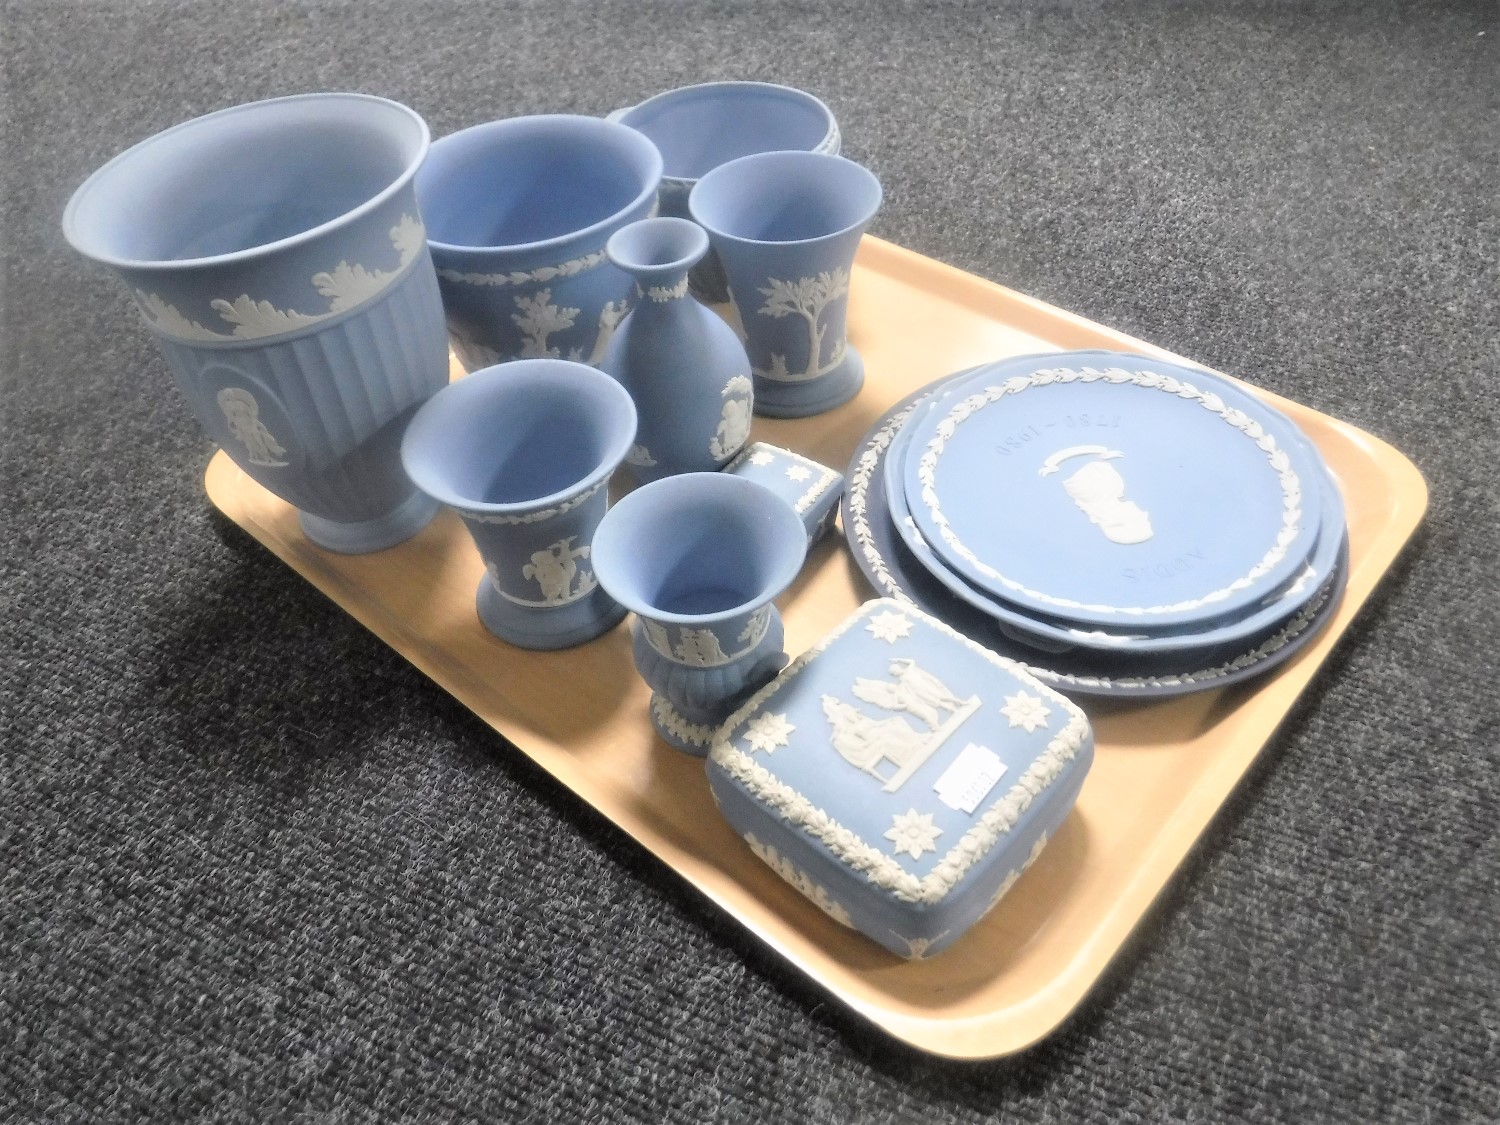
345 287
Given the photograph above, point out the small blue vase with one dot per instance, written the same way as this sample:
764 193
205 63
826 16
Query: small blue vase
685 368
786 226
699 557
523 451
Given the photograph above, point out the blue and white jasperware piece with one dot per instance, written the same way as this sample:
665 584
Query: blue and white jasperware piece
1060 635
523 451
518 213
811 489
1129 493
697 128
786 226
277 253
685 368
699 557
901 776
893 570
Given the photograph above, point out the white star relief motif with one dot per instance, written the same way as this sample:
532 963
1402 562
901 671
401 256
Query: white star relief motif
798 472
913 833
1025 711
767 731
761 457
889 626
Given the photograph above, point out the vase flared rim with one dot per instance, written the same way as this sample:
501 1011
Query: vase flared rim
248 253
582 234
547 370
782 577
799 155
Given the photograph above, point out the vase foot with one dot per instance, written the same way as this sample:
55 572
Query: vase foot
775 398
681 732
550 627
411 516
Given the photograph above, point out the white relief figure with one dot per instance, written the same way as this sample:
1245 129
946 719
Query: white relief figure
755 628
806 297
639 456
657 636
554 568
1099 492
917 692
242 413
538 318
471 353
911 691
734 419
700 648
868 742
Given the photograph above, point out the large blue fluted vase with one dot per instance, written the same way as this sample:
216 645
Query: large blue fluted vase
276 251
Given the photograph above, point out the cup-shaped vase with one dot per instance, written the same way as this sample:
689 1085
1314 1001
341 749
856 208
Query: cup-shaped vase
786 226
277 253
699 558
699 127
523 452
685 368
518 212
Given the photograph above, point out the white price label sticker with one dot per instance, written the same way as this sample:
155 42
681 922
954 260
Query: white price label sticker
969 778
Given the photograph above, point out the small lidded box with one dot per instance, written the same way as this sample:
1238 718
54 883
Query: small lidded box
812 489
900 775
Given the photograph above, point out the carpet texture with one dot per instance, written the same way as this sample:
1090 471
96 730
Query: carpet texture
254 867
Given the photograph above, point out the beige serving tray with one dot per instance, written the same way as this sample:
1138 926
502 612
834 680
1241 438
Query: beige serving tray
1162 769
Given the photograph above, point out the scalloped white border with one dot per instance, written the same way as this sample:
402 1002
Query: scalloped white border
879 868
1291 486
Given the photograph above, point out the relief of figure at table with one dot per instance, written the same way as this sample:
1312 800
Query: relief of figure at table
1098 490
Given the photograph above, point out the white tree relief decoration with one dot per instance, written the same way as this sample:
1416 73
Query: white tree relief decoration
538 318
806 297
609 319
242 413
554 569
734 420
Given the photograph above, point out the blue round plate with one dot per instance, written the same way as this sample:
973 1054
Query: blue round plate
893 572
1059 635
1113 490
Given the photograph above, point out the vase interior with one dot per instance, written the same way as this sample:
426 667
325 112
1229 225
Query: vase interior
785 197
244 178
529 180
701 127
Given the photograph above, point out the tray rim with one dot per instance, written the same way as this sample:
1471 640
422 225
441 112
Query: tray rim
985 1035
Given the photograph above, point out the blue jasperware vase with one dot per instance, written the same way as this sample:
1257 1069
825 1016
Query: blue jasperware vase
523 451
518 212
699 558
786 226
276 251
699 127
685 368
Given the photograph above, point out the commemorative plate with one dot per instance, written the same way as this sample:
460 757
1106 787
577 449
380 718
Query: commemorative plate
893 571
1115 490
1059 635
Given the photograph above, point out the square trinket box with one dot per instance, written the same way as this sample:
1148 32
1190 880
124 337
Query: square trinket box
812 489
900 775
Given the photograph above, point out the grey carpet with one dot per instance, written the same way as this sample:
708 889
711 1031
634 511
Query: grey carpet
253 867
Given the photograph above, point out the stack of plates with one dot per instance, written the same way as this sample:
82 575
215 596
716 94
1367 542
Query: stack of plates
1121 525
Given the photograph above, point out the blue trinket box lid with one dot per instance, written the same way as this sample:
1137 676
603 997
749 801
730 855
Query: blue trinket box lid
812 489
900 775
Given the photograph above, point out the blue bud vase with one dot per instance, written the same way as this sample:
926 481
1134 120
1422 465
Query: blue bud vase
685 368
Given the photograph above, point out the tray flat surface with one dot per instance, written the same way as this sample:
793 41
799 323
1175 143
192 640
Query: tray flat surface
1161 772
